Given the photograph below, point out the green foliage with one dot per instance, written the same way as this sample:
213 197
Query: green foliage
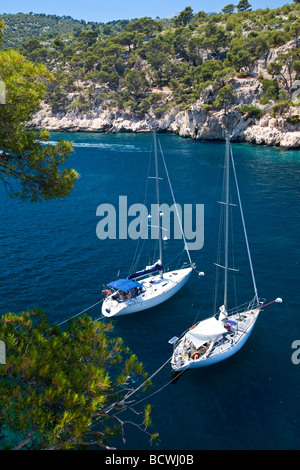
228 9
207 107
241 60
281 107
225 97
245 50
264 100
136 82
283 69
251 111
158 112
294 119
243 5
276 39
28 168
22 27
87 38
271 89
126 60
145 26
64 389
184 17
31 45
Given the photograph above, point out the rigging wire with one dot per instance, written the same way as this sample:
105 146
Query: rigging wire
124 401
220 235
161 388
136 256
135 261
233 258
134 391
244 227
175 205
149 378
80 313
141 385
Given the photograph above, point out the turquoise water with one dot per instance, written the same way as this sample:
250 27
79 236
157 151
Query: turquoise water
51 257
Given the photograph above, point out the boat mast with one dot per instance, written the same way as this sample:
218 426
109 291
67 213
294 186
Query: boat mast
157 197
226 220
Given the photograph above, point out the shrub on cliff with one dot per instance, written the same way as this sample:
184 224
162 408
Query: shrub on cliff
281 107
294 119
250 111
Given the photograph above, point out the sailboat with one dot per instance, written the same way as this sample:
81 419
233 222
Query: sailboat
222 335
152 285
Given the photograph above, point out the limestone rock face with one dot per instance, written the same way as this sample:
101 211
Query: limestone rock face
272 137
195 123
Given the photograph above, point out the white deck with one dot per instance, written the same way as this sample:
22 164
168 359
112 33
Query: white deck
155 291
221 347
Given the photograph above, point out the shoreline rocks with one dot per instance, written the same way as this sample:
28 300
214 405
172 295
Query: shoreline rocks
198 122
194 123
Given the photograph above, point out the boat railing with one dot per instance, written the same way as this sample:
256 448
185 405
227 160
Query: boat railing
186 264
246 307
244 331
240 309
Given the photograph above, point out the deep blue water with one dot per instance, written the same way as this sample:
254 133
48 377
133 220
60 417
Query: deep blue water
51 258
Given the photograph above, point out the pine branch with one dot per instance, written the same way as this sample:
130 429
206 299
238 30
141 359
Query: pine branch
24 442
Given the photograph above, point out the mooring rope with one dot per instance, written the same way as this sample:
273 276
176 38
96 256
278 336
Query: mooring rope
80 313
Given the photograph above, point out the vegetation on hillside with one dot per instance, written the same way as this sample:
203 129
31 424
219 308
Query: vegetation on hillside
148 65
63 389
22 27
29 169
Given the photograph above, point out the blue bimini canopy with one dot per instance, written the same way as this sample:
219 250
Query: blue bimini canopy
124 284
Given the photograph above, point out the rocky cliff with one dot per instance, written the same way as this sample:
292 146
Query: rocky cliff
197 122
194 123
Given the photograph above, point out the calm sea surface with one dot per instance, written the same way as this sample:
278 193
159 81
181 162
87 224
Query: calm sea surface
51 258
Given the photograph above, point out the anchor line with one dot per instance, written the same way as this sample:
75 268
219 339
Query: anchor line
80 313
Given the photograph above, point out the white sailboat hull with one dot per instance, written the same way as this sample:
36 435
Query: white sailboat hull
156 291
213 340
227 348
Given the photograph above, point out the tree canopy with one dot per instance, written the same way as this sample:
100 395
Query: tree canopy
122 65
66 389
28 168
184 17
174 55
243 5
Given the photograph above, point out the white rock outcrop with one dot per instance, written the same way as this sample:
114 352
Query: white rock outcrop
195 123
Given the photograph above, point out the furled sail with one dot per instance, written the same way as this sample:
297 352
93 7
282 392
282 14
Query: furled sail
149 269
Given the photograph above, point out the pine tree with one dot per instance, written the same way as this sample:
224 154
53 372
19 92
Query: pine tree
28 168
243 5
66 389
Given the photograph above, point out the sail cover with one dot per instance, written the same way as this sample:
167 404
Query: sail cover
204 331
149 269
124 284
